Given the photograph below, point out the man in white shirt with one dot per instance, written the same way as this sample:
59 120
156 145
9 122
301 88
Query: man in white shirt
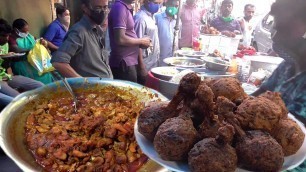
145 26
247 24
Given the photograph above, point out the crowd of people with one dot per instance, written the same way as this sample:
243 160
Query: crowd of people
140 42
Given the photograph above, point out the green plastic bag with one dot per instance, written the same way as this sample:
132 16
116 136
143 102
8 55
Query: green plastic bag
40 59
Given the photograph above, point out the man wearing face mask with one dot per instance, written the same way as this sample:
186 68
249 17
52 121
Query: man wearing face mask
58 28
226 23
82 52
191 17
145 26
290 43
124 41
166 22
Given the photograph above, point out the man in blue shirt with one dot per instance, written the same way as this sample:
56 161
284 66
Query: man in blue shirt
58 28
166 22
145 26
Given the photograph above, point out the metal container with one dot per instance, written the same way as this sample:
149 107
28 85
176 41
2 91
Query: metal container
269 63
164 72
12 120
215 64
184 62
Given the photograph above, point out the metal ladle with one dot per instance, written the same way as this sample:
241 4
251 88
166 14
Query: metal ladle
57 76
75 100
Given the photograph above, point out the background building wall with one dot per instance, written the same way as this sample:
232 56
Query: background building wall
38 13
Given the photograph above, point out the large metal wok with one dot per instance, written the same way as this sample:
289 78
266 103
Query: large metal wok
12 120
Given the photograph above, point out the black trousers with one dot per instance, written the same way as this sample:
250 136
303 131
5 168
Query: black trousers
124 72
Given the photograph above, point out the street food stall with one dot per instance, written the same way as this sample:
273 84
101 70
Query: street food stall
195 114
42 131
214 56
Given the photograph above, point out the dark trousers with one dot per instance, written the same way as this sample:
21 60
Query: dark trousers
124 72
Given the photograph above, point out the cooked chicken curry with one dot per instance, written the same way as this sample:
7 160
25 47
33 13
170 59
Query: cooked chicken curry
98 137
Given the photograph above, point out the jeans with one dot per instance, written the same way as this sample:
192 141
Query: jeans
9 88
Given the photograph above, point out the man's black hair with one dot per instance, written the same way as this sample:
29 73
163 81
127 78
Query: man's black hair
60 9
248 5
227 2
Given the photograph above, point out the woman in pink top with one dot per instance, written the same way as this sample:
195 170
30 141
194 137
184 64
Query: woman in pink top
191 17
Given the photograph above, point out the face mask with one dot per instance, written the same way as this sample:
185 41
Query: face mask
227 19
97 17
172 11
153 8
21 34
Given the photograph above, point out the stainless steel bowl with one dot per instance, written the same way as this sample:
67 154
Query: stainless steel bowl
215 64
164 72
184 62
12 120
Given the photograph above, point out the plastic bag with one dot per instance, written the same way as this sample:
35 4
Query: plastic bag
40 59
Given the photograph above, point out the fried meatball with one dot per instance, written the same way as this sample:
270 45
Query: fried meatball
258 113
228 87
258 151
151 117
174 138
214 154
276 98
289 135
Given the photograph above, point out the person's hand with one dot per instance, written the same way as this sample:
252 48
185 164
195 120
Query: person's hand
237 32
145 42
228 33
44 42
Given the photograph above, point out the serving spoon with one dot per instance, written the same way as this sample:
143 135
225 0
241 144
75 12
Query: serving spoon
57 76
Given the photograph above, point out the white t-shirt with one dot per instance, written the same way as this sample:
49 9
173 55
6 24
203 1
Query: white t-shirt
249 27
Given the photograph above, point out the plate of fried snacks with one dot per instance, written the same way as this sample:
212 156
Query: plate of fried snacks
213 125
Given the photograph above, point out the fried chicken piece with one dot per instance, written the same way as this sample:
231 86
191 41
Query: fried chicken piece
224 106
229 88
186 89
258 151
258 113
214 154
276 98
209 128
202 104
151 117
289 135
175 137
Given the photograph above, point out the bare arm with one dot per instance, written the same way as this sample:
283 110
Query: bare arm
141 64
51 46
66 70
122 39
16 49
